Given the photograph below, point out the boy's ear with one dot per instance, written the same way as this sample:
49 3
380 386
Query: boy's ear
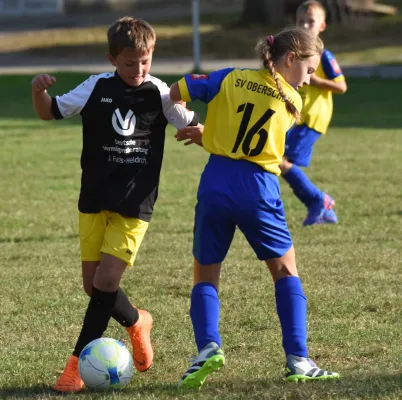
323 26
111 59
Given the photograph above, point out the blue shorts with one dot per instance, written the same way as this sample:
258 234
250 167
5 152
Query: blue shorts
238 193
299 145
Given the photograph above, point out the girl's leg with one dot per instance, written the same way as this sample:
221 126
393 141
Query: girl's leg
291 303
204 311
205 306
291 306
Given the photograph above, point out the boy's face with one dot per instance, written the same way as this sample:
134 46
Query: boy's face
312 20
132 66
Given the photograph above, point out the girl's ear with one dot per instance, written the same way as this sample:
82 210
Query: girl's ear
290 58
111 59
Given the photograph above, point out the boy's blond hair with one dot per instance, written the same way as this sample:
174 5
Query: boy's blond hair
128 32
311 5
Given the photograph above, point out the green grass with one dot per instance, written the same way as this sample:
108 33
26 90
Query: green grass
351 272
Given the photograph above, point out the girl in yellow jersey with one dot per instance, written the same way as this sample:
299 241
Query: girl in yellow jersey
249 114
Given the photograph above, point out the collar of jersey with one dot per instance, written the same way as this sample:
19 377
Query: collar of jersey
118 77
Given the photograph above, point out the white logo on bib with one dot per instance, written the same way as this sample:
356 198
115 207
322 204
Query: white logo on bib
126 126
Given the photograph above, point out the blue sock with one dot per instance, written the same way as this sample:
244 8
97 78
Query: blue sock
302 187
204 312
291 305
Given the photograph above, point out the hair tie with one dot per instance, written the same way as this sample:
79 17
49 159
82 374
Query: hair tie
285 98
270 40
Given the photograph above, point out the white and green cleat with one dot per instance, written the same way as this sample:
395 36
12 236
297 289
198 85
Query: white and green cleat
301 369
210 359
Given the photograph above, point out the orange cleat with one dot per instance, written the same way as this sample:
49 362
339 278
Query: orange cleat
140 335
70 380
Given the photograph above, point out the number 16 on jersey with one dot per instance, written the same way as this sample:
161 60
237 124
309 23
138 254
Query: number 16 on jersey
245 137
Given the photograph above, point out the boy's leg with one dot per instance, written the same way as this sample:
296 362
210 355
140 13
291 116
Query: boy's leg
123 312
299 149
104 292
123 239
120 243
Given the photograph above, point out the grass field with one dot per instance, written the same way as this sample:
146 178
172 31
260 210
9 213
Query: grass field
351 272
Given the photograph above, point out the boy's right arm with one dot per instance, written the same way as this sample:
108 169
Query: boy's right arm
42 102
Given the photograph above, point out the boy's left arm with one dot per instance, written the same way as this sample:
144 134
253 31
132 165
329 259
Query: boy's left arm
335 81
339 87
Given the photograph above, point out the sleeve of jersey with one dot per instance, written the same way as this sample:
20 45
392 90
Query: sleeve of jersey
176 114
202 87
331 67
73 102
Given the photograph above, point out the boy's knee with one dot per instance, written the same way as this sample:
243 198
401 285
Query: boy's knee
88 289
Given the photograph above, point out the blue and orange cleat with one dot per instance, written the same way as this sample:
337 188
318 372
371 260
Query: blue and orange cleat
322 212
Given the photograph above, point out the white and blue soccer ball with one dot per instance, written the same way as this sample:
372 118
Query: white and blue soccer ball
105 363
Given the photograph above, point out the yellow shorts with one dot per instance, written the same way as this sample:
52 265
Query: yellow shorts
111 233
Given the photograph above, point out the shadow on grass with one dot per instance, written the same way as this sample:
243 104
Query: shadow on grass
376 387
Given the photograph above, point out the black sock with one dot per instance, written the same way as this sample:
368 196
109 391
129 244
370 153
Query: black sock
96 319
123 312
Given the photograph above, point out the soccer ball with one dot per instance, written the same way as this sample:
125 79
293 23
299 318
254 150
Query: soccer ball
105 363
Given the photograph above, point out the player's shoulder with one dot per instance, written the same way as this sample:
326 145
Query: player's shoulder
327 55
92 80
97 77
330 64
162 86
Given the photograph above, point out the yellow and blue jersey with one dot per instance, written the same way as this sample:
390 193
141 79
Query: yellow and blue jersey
247 117
317 102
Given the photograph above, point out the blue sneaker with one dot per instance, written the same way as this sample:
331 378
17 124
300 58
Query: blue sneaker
303 369
330 217
321 213
210 359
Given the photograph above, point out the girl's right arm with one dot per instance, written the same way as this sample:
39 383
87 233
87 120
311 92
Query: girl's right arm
42 102
175 92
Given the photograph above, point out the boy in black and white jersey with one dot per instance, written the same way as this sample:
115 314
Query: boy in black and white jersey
124 117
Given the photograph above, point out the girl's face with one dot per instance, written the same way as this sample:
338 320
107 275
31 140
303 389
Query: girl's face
298 72
132 66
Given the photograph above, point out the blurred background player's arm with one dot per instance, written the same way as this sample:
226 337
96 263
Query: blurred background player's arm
335 87
41 100
334 79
